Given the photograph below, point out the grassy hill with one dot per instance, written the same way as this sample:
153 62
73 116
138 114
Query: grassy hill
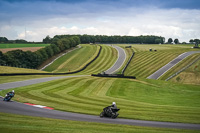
142 99
144 63
74 60
145 100
77 59
7 69
191 75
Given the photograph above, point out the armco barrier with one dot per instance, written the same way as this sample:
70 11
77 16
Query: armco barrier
128 62
16 74
113 76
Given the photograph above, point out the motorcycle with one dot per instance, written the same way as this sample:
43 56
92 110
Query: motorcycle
109 112
8 97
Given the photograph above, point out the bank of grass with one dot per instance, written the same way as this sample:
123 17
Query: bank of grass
137 99
106 59
7 69
181 65
191 75
21 123
74 60
144 62
17 45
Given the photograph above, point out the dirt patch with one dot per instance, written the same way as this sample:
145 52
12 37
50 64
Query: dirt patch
32 49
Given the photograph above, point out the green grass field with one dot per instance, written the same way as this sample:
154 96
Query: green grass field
191 75
20 123
74 60
144 62
16 45
106 59
145 100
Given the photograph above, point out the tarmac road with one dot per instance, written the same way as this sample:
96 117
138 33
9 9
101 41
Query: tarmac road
167 67
23 109
32 81
120 61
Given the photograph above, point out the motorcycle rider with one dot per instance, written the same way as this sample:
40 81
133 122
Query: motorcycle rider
10 93
114 106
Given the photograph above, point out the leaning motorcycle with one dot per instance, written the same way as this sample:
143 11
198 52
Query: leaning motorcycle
109 112
8 97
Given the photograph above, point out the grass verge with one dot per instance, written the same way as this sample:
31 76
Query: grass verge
28 124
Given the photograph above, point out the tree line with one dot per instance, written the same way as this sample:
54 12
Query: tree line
28 59
122 39
85 39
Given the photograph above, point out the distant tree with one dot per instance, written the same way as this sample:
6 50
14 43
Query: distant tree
20 41
2 59
184 43
197 41
176 41
191 41
47 39
49 51
158 41
170 40
56 50
3 40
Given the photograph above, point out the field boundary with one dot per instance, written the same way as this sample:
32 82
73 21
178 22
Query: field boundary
15 74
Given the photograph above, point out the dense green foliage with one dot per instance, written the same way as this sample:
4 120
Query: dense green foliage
147 100
28 59
85 39
3 40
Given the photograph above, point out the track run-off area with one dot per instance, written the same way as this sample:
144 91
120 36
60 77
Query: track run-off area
20 108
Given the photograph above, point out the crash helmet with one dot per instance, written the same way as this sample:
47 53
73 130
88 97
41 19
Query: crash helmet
13 91
113 103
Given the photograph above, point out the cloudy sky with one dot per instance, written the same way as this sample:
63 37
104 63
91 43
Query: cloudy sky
39 18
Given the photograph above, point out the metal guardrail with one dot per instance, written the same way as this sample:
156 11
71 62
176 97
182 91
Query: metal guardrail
128 62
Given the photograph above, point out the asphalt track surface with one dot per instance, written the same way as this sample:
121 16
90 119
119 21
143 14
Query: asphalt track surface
168 66
23 109
32 81
120 61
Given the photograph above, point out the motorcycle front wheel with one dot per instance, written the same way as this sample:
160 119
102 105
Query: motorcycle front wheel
102 114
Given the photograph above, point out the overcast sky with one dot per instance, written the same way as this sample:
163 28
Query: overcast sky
168 18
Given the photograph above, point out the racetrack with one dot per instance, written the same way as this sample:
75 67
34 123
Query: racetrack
168 66
120 61
23 109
